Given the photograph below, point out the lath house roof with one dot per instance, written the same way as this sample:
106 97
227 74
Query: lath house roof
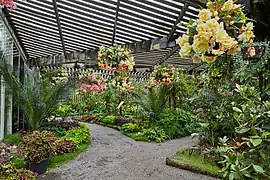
53 27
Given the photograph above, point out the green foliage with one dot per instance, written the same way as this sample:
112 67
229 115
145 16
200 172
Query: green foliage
155 134
61 159
178 123
154 100
18 162
38 145
109 120
79 135
9 172
183 88
130 128
14 139
63 110
60 127
62 146
53 126
35 100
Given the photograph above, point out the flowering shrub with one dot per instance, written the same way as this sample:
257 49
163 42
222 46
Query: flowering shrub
92 82
115 58
216 32
8 3
162 75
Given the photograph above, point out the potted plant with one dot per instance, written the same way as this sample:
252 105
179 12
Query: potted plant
38 148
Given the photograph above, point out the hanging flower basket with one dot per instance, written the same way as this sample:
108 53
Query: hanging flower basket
91 82
162 75
218 31
122 82
9 4
115 58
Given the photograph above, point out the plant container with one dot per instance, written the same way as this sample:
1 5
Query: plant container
40 168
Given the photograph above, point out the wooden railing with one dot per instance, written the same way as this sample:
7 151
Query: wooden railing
75 73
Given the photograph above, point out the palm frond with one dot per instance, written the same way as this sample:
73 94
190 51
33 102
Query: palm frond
29 95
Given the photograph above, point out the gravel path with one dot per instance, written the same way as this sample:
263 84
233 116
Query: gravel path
113 156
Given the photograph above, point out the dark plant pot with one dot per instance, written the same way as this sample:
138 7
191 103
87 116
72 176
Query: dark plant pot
40 168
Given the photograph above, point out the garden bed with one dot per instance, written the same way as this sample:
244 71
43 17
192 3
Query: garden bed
193 162
63 150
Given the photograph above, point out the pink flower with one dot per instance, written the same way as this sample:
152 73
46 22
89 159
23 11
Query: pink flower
92 77
8 3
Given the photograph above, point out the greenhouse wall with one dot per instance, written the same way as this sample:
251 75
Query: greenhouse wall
6 49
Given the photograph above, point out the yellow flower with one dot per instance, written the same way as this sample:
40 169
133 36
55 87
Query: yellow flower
234 50
209 59
221 36
228 43
249 26
199 47
213 26
217 52
228 6
246 36
205 15
201 27
185 50
182 40
196 58
163 79
101 64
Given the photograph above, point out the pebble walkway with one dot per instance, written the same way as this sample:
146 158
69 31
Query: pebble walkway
113 156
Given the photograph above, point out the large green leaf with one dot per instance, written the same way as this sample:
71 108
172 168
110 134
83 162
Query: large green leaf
258 169
256 141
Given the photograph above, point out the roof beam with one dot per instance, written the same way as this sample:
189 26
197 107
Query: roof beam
115 21
163 59
59 26
178 20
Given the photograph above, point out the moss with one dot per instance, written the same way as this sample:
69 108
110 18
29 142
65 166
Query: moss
61 159
136 136
14 139
193 162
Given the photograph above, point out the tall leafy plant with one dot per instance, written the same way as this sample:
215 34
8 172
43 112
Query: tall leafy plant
154 100
29 95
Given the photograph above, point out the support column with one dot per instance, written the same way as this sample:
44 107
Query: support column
2 108
9 100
